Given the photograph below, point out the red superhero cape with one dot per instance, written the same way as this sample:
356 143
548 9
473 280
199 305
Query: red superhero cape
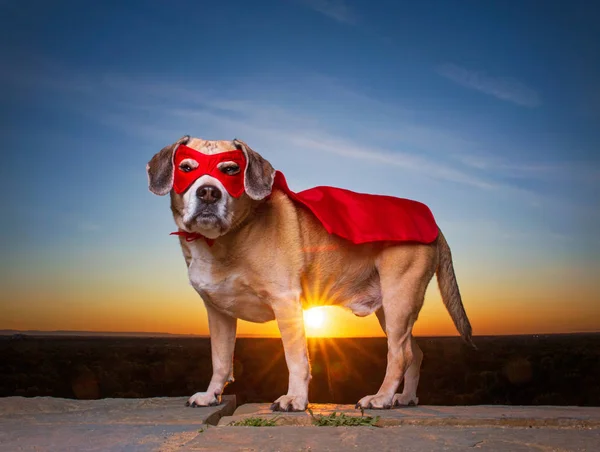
358 217
363 218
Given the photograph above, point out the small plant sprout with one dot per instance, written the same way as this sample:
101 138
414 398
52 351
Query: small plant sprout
343 420
256 422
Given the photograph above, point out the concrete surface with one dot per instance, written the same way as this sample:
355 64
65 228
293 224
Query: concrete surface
406 438
165 424
479 415
52 424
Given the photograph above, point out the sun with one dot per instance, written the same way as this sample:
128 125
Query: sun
314 318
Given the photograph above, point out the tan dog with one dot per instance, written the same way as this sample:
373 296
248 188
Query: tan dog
272 258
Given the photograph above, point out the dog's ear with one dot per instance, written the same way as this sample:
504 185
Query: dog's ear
259 176
160 168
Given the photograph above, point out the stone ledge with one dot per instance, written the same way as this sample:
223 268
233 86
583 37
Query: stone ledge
165 424
105 425
408 438
48 410
479 415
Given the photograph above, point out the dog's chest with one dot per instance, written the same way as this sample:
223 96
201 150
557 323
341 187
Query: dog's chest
231 290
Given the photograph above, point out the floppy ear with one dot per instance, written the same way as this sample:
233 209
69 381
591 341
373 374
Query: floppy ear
259 176
160 168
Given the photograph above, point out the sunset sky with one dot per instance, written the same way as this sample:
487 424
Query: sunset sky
488 112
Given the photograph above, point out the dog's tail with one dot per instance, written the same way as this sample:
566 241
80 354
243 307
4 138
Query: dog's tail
450 293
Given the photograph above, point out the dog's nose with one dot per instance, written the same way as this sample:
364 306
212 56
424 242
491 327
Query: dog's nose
208 194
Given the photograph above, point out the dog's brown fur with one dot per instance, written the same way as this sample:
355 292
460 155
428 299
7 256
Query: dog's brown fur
272 258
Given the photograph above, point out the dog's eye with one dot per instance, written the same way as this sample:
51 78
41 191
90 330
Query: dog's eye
186 168
230 169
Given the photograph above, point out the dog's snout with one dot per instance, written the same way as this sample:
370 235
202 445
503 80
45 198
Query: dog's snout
208 194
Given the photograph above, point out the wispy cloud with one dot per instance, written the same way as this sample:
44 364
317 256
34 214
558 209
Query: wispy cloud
337 10
153 109
366 133
504 88
280 125
547 170
88 226
419 165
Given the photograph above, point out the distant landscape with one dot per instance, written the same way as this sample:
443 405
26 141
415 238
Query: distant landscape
513 370
38 333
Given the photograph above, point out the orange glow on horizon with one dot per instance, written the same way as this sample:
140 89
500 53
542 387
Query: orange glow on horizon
491 310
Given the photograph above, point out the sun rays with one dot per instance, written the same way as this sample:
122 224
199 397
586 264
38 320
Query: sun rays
317 297
316 321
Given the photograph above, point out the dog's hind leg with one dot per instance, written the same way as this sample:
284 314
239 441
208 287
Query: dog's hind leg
411 379
408 397
405 273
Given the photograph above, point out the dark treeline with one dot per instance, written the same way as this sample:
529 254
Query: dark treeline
515 370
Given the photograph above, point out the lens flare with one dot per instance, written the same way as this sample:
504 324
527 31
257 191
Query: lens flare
314 318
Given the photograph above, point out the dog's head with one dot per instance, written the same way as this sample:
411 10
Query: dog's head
213 184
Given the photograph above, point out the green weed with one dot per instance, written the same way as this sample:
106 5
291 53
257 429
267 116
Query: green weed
343 420
256 422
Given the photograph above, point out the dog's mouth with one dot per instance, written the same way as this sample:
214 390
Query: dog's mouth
206 214
205 219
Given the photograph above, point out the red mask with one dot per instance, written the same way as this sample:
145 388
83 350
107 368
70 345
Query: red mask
207 164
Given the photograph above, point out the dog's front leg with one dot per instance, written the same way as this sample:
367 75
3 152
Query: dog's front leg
290 320
222 343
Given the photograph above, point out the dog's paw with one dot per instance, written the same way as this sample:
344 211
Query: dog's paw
203 399
405 400
375 402
290 403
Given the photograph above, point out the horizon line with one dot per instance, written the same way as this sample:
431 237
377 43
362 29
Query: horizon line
83 333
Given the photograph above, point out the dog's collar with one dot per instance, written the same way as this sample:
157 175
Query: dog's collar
191 236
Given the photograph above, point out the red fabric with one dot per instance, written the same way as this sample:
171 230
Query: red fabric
357 217
191 236
363 218
207 164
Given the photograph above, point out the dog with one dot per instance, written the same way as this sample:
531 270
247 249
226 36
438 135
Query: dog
254 254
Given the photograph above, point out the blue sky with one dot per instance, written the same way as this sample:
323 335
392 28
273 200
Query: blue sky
486 111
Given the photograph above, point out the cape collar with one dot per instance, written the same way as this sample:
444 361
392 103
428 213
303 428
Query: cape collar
192 236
